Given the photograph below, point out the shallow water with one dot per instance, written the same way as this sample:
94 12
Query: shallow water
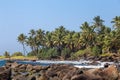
79 64
2 62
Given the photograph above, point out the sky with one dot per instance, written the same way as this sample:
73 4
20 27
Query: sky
20 16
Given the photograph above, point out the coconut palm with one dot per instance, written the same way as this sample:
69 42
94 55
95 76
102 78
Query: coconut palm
69 40
98 23
58 38
48 40
116 22
22 40
88 34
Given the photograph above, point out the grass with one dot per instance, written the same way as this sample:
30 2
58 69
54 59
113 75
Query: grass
24 57
20 57
2 57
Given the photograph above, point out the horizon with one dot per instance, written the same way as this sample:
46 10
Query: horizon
18 17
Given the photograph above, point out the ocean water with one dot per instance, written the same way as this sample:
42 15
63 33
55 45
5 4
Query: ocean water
2 62
79 64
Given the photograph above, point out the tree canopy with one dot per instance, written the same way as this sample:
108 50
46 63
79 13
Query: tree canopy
64 43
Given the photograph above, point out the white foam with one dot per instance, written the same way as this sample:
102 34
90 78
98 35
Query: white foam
79 64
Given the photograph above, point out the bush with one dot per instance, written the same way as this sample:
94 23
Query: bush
47 53
96 50
7 54
31 54
65 53
81 53
17 54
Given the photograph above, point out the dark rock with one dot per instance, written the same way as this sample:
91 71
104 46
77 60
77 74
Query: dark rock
106 65
5 74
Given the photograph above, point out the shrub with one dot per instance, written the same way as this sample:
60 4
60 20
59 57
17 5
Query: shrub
47 53
31 54
65 53
96 50
17 54
81 53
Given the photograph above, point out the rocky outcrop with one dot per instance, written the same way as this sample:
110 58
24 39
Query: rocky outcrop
14 71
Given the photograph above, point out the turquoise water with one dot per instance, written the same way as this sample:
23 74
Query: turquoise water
2 62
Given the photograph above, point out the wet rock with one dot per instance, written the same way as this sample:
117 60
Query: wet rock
106 65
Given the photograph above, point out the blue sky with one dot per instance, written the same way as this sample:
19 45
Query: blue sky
19 16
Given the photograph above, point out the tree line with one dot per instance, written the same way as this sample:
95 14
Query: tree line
97 38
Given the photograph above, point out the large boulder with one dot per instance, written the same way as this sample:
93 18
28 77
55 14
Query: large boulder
110 73
5 74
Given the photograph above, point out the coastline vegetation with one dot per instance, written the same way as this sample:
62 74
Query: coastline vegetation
94 39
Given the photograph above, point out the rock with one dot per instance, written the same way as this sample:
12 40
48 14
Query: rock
110 73
2 69
15 65
19 77
43 77
23 66
5 74
51 73
79 77
37 68
55 78
93 74
106 65
29 67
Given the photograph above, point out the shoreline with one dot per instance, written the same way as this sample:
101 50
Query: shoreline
57 72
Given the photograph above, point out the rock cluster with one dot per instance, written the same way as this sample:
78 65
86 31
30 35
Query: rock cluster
111 58
14 71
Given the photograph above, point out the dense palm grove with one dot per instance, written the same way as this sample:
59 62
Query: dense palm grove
94 39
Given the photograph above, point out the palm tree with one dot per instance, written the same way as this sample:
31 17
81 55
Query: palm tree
98 23
58 38
88 34
116 22
22 40
32 32
69 40
48 40
39 39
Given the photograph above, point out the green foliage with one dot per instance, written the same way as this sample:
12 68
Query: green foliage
31 54
105 54
65 53
7 54
96 51
81 53
46 53
17 54
63 43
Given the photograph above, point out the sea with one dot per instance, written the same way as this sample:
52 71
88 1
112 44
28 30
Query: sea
79 64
